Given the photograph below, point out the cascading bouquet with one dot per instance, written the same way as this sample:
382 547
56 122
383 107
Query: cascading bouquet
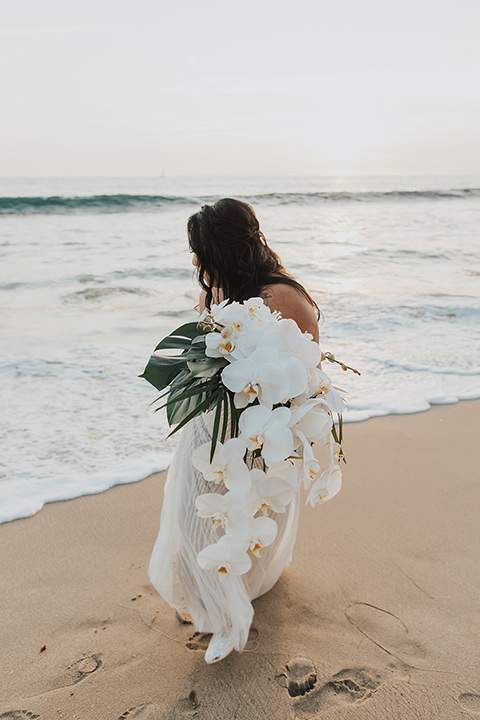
257 372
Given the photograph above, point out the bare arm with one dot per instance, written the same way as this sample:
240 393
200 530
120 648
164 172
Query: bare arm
217 297
201 302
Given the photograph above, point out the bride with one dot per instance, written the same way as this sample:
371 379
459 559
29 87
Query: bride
233 261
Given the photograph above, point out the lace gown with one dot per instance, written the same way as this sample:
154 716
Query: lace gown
215 604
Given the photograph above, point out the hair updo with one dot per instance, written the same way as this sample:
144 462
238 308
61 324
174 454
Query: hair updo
232 252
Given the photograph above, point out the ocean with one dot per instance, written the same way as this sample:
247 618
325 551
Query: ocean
94 272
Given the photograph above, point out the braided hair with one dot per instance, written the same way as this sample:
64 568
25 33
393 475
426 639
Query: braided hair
232 253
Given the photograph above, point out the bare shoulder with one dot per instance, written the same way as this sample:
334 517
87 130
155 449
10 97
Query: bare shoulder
291 304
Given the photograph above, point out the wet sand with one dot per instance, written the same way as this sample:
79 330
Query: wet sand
377 616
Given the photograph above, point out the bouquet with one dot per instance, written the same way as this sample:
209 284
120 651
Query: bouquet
259 375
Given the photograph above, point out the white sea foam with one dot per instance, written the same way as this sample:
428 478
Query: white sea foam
86 297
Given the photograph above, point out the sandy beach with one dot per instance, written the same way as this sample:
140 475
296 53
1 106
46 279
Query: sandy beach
377 616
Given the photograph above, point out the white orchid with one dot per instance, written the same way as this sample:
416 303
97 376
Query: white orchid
287 337
285 342
238 334
253 534
268 493
225 558
333 450
287 470
296 373
268 430
217 507
258 311
232 315
220 344
227 465
326 487
257 377
310 421
326 390
311 469
216 309
311 389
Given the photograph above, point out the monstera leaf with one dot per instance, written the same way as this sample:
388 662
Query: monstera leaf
192 382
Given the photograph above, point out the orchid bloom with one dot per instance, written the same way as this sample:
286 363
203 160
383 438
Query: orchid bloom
232 315
216 309
227 465
237 338
287 337
333 450
220 344
225 558
257 377
296 373
329 392
242 328
268 493
311 467
217 507
311 389
326 487
257 310
287 470
254 534
310 421
268 430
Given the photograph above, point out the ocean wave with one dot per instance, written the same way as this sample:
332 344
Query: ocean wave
366 196
121 203
59 205
98 294
418 367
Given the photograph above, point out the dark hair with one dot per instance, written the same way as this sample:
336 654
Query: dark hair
233 254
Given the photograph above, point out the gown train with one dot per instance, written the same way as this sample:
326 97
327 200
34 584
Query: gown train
216 605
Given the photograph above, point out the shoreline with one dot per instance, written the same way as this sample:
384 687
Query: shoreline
433 403
377 612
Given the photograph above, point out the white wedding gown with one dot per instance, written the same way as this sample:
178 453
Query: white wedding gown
215 604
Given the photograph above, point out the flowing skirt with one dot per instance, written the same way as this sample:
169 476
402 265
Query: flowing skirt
216 604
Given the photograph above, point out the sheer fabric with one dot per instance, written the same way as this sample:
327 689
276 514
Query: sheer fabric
215 604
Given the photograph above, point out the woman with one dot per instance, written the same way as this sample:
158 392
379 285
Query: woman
233 261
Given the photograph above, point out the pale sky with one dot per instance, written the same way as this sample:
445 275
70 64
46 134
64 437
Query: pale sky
256 87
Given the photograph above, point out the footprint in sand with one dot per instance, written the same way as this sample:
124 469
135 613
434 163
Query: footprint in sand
351 686
469 701
199 641
73 674
79 670
18 715
386 630
298 676
187 707
146 711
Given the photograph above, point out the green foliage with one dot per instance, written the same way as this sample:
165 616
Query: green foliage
192 382
160 372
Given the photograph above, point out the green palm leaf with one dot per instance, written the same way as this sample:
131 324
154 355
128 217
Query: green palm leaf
174 343
188 331
160 372
205 405
216 424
